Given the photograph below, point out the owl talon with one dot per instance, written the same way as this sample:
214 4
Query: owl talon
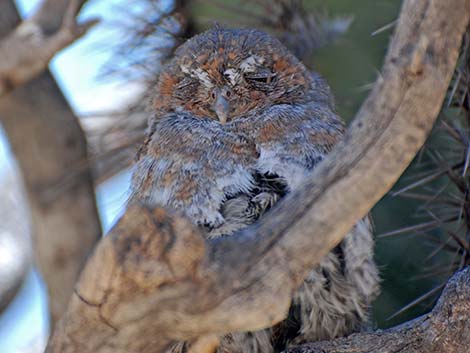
265 200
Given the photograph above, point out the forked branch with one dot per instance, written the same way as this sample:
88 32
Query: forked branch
26 52
154 280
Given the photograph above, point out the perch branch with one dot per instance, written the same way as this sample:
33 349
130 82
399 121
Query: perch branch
27 50
444 329
154 280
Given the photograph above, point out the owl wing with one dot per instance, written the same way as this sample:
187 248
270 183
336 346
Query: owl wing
292 140
193 165
333 301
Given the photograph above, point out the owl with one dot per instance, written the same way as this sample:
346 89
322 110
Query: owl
237 123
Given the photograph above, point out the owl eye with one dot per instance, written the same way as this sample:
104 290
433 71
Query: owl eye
260 78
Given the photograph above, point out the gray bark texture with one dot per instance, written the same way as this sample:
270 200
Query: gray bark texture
49 145
444 330
154 280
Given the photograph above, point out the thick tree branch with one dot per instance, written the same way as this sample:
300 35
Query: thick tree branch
154 280
48 16
26 51
47 140
444 329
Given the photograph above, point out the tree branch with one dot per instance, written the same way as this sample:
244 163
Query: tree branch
46 140
48 16
154 280
26 51
444 329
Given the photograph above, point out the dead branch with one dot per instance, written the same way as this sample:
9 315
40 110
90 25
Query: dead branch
46 140
444 329
154 280
27 50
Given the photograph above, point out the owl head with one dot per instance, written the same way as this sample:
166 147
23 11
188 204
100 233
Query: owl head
226 74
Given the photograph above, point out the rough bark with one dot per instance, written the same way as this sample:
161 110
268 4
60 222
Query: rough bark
47 142
27 50
154 279
444 330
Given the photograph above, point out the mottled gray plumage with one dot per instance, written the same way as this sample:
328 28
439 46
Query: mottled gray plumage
237 123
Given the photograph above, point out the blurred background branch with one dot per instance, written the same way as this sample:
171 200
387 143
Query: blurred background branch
47 140
27 50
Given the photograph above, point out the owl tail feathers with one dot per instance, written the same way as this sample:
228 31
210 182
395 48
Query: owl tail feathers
247 342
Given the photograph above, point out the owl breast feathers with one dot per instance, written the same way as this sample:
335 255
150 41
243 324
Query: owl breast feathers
237 122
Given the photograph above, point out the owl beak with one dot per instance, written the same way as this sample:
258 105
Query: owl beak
221 108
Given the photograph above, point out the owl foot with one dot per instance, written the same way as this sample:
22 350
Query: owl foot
265 200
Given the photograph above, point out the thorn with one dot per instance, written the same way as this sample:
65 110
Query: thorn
384 28
417 301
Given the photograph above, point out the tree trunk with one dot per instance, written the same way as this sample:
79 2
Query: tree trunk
48 143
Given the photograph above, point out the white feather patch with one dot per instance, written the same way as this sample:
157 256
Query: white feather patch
233 76
251 63
199 74
270 162
203 76
239 180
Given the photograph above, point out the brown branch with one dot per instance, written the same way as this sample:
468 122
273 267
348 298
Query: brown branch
154 280
444 329
49 15
46 140
26 51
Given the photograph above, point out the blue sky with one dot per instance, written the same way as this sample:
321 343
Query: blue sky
75 69
77 66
